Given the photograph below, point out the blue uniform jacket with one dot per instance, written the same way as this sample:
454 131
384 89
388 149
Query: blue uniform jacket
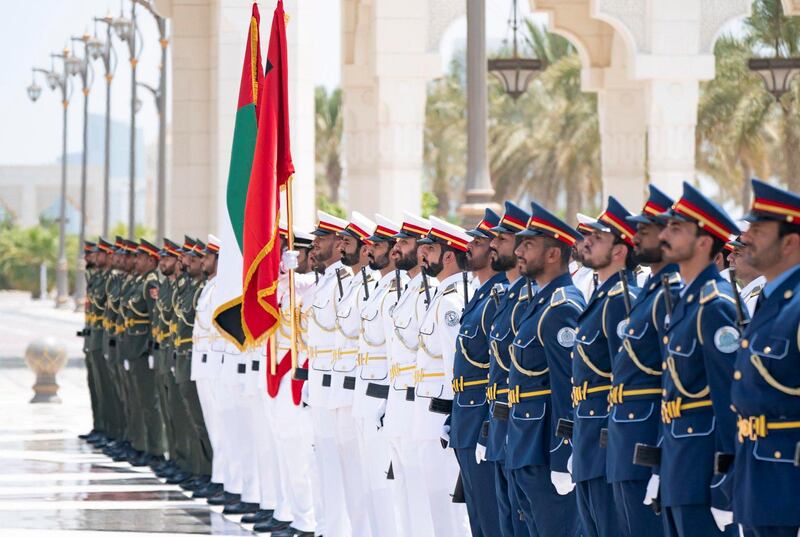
766 395
513 303
636 382
597 341
470 366
539 377
697 421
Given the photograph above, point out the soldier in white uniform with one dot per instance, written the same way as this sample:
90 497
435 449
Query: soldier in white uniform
444 257
321 344
372 379
402 344
206 360
290 423
583 277
750 282
353 247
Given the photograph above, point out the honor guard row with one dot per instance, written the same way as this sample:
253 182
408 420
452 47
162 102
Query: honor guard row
624 377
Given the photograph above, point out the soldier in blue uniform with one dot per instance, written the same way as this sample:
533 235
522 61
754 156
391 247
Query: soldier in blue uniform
700 344
511 298
636 375
609 251
539 378
766 378
470 366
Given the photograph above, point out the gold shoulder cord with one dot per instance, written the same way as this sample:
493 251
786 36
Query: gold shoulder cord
589 363
422 345
363 330
513 316
679 385
772 381
335 312
474 363
635 359
526 372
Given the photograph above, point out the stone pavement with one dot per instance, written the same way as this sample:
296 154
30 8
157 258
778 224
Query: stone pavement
53 484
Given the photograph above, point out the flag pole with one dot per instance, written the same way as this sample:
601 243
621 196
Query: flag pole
272 356
292 297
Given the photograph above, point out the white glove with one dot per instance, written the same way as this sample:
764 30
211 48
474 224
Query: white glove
445 436
126 364
652 489
569 465
151 362
480 453
289 259
722 518
562 481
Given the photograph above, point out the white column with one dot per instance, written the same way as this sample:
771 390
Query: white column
385 72
299 36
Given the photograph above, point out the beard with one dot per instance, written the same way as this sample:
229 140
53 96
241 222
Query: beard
407 261
503 263
532 270
646 256
351 258
378 263
434 269
603 263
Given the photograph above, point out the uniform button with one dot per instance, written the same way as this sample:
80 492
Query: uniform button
689 298
630 331
577 329
471 402
630 416
745 343
583 338
737 375
678 348
788 294
527 414
511 295
663 365
663 393
767 349
507 381
777 455
519 341
591 412
665 340
733 408
572 354
690 430
600 294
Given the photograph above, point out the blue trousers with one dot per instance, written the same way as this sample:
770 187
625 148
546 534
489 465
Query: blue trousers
596 508
550 514
479 492
693 521
633 516
511 508
771 531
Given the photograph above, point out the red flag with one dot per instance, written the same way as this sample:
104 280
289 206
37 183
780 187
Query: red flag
284 366
272 167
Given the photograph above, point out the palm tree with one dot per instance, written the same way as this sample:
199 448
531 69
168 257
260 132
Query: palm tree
328 132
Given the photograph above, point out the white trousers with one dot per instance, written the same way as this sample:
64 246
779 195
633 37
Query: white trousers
212 414
356 493
251 416
227 396
382 502
409 485
292 429
440 473
330 500
269 476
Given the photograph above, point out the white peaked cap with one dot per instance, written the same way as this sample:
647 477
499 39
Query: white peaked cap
327 223
360 226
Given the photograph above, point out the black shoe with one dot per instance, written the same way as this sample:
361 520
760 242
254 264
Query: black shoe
292 532
209 490
155 461
262 515
224 498
271 525
196 483
125 454
168 469
142 460
178 477
100 442
240 508
87 435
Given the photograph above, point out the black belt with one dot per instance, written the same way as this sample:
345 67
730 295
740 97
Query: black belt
410 396
378 391
564 428
326 380
646 455
255 365
500 411
301 373
204 359
241 368
441 406
349 383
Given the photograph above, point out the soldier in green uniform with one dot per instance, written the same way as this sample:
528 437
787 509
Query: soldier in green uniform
169 269
138 309
89 255
184 306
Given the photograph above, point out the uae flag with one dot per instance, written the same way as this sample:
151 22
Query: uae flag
271 170
228 293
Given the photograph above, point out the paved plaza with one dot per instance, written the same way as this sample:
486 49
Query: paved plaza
52 483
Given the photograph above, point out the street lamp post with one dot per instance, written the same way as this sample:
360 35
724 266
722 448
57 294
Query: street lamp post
61 81
161 105
104 50
126 30
82 68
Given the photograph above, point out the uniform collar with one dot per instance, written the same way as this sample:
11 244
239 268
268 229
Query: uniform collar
774 284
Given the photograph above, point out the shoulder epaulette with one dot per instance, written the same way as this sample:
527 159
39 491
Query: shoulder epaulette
393 285
523 295
756 291
152 277
710 291
450 289
616 290
674 278
558 297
